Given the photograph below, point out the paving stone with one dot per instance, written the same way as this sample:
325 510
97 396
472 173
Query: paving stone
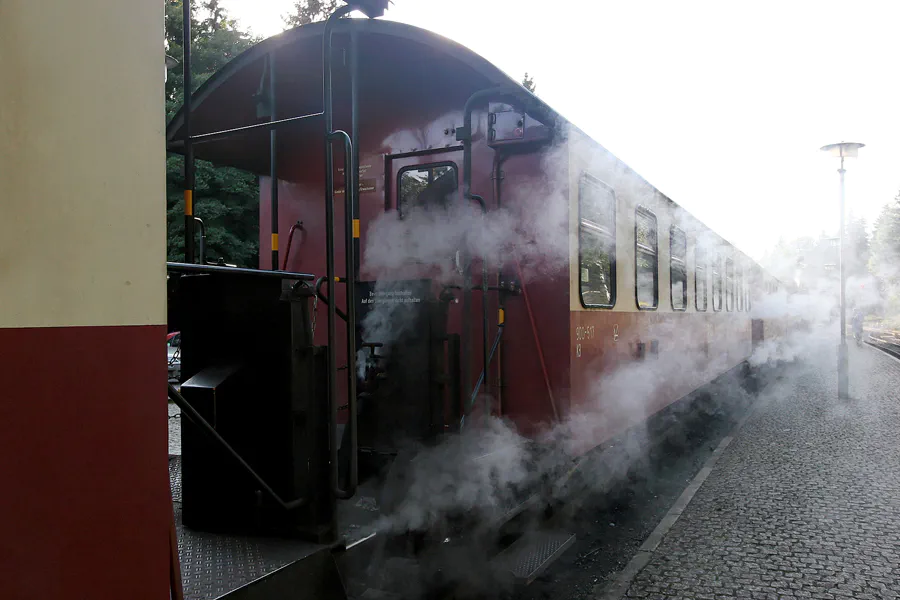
804 501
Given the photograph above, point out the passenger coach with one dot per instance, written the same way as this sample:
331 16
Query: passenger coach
438 243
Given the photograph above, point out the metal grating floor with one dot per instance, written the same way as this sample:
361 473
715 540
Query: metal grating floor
533 552
215 564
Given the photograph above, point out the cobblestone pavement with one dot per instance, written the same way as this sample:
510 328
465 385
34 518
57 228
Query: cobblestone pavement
174 430
804 503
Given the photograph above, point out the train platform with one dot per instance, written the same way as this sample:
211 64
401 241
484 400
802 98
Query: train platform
800 501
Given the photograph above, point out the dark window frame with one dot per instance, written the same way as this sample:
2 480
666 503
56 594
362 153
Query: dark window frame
421 167
698 269
587 178
673 267
647 213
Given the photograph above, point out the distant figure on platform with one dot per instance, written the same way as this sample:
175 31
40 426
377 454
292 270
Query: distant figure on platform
857 324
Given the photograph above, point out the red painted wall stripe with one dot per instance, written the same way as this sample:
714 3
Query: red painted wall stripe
85 499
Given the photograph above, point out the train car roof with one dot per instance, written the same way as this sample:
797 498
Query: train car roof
230 97
405 47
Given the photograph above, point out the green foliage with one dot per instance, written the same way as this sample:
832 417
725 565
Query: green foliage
528 83
226 199
885 249
228 202
310 11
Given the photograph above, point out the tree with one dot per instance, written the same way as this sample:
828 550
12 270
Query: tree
528 83
885 248
310 11
226 199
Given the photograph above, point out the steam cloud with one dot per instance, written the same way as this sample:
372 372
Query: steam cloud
484 471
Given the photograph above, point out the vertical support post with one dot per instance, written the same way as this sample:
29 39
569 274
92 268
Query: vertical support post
464 134
354 138
329 268
497 177
188 147
273 162
843 375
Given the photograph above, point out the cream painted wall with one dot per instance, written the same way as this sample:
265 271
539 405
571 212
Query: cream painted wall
82 163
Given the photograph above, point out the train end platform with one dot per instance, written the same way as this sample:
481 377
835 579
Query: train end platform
801 501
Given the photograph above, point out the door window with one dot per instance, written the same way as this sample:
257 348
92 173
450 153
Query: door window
426 186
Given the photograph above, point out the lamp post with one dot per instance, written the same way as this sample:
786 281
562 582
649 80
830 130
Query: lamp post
843 150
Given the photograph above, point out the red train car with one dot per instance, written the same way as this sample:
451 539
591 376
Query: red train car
483 255
553 196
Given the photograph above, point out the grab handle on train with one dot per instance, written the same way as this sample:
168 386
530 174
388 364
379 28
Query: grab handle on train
350 226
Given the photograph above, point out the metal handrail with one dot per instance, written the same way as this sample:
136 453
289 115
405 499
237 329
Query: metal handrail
213 269
200 222
209 430
287 252
481 377
326 299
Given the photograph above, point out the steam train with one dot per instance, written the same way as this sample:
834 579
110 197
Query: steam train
457 255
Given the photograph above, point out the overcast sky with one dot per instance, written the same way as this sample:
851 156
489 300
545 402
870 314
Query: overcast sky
721 105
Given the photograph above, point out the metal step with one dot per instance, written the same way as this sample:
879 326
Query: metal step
532 553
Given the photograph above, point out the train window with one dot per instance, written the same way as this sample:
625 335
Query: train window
678 268
597 243
717 282
646 261
699 279
425 186
739 289
729 284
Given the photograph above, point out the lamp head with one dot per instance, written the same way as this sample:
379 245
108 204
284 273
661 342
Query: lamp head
370 8
171 63
843 149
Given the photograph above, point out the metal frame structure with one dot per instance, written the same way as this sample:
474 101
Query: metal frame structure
464 135
372 9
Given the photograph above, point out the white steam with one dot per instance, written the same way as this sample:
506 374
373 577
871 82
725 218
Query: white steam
484 471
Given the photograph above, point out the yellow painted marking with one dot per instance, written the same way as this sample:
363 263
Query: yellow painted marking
502 316
274 241
188 203
356 228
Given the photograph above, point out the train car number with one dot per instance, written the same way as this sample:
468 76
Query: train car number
584 332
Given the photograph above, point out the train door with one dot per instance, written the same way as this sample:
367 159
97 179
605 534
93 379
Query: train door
403 308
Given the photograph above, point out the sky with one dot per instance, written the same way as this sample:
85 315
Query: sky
722 106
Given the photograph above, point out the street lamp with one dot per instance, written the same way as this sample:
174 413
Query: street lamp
171 63
843 150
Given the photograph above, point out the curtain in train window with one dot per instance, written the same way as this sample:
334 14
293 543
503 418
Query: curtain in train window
426 186
729 284
646 267
597 243
699 279
678 268
717 282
